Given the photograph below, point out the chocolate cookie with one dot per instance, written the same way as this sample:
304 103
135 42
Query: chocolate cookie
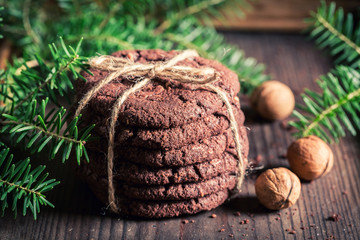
206 149
164 138
180 191
131 173
163 103
162 209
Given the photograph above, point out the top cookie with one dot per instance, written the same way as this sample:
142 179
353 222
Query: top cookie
163 103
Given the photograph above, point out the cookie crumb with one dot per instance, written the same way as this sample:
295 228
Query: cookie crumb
213 215
222 230
290 231
185 221
335 217
245 221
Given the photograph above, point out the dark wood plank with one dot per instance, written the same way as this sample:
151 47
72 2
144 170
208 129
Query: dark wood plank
275 15
291 59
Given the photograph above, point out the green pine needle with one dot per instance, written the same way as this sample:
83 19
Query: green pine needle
20 183
336 31
41 130
25 83
337 108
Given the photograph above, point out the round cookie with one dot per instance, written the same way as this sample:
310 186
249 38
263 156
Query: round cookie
175 137
204 150
131 173
163 103
163 209
179 191
190 173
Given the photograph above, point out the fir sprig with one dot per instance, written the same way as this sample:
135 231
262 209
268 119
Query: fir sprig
329 114
20 183
25 83
336 31
41 129
337 108
37 126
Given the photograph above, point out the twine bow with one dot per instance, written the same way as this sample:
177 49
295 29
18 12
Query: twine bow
146 72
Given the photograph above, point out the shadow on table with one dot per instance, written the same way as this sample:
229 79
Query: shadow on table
249 205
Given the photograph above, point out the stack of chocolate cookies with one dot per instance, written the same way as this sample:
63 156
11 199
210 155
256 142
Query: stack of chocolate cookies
174 150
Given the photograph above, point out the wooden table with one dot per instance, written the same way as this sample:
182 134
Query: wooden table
289 58
275 15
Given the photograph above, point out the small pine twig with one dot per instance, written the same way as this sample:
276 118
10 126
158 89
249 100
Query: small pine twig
35 124
331 110
327 115
19 182
40 129
337 33
46 82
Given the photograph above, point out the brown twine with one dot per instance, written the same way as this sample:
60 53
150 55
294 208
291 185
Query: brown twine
146 72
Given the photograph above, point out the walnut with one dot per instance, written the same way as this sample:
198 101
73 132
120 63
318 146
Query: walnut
273 100
310 157
277 188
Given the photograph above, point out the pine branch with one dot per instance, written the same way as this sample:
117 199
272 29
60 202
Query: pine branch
334 30
43 80
19 183
327 115
42 129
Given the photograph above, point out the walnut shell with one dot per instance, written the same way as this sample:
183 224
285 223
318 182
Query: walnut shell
273 100
277 188
310 157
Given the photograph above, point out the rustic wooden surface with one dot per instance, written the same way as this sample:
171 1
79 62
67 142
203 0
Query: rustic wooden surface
276 15
291 59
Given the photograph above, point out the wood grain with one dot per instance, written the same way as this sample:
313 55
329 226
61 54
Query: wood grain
291 59
275 15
